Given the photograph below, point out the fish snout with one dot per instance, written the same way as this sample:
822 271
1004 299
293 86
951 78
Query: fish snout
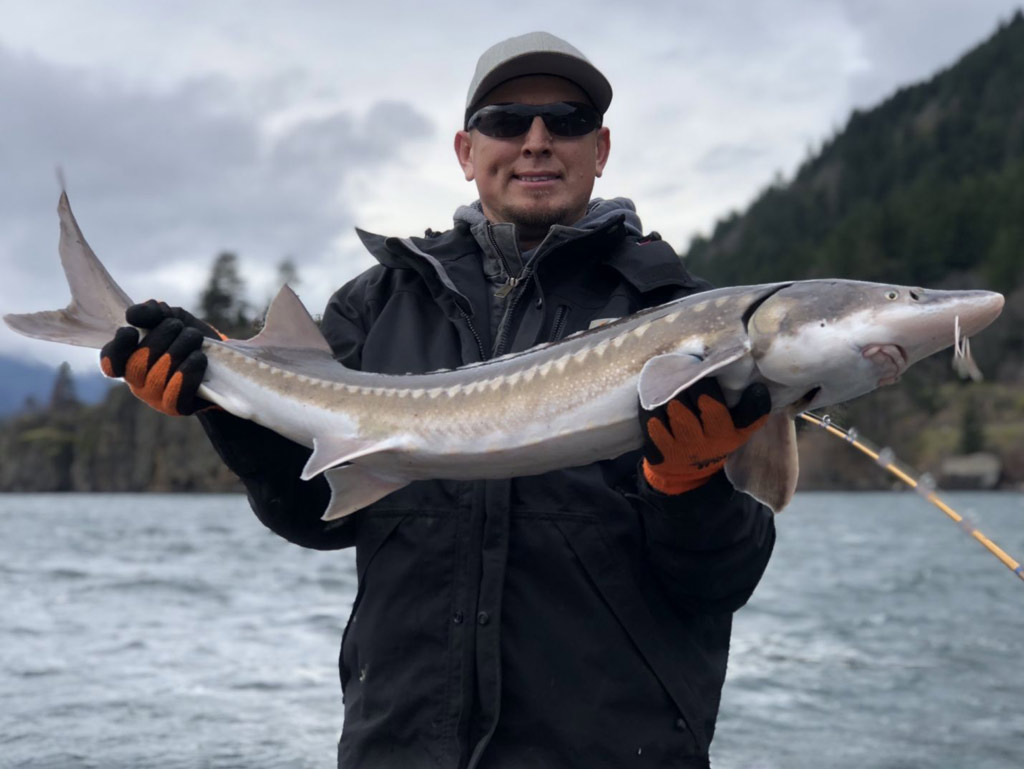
941 312
979 310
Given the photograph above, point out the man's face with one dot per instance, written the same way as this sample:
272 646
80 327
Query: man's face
537 179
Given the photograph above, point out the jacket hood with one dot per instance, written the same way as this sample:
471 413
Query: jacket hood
599 213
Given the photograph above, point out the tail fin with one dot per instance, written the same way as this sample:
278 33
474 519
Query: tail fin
97 302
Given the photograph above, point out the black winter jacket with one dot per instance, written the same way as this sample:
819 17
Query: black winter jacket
572 619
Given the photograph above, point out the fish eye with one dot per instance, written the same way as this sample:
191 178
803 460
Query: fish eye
892 295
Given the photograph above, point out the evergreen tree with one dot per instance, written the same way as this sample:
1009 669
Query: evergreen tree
63 396
972 429
222 302
288 273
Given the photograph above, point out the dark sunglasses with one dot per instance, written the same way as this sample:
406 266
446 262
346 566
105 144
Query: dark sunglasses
563 118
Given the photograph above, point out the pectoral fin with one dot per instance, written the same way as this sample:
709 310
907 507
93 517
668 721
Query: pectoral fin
767 465
354 487
665 376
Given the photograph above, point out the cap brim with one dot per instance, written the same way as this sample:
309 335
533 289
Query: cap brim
578 71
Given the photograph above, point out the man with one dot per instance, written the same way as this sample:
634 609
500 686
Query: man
579 618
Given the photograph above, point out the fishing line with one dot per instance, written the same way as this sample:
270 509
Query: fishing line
923 485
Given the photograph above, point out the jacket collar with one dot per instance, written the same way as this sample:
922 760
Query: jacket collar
647 264
396 252
650 264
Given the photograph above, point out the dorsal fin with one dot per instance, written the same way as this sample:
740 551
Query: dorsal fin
289 325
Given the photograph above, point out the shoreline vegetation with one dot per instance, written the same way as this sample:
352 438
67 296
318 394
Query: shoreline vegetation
967 436
119 444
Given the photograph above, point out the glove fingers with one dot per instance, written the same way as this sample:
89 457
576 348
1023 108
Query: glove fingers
181 394
679 438
698 434
754 404
175 389
165 365
148 314
166 368
114 354
151 313
682 416
659 440
152 388
708 386
715 417
157 342
191 321
188 341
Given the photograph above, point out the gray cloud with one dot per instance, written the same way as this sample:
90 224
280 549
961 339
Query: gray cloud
908 42
726 158
172 177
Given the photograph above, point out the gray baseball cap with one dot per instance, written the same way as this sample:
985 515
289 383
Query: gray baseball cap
537 53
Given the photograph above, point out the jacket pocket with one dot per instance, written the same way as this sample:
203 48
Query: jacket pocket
660 647
373 533
395 652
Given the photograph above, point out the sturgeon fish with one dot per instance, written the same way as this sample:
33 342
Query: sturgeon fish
812 343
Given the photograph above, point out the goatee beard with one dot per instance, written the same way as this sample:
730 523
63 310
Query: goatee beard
537 223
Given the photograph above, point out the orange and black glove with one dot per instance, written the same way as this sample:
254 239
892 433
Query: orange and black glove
688 440
166 368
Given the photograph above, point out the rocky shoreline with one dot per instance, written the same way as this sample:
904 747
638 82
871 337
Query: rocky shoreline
117 445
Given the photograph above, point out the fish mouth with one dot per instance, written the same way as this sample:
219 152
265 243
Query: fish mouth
891 359
805 403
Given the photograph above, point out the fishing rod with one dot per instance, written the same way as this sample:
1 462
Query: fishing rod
923 485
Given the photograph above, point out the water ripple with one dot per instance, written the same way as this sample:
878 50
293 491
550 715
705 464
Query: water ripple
881 637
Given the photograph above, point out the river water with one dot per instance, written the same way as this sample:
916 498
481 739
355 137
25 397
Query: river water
174 631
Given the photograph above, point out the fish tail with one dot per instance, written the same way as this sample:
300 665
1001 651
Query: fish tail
97 303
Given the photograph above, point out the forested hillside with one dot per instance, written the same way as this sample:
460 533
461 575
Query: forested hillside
926 189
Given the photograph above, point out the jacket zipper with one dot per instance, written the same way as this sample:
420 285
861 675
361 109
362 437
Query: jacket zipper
499 348
513 280
558 325
476 336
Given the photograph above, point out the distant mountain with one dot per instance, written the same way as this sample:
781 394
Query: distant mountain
925 189
21 380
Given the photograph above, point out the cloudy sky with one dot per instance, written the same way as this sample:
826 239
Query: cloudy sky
272 129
